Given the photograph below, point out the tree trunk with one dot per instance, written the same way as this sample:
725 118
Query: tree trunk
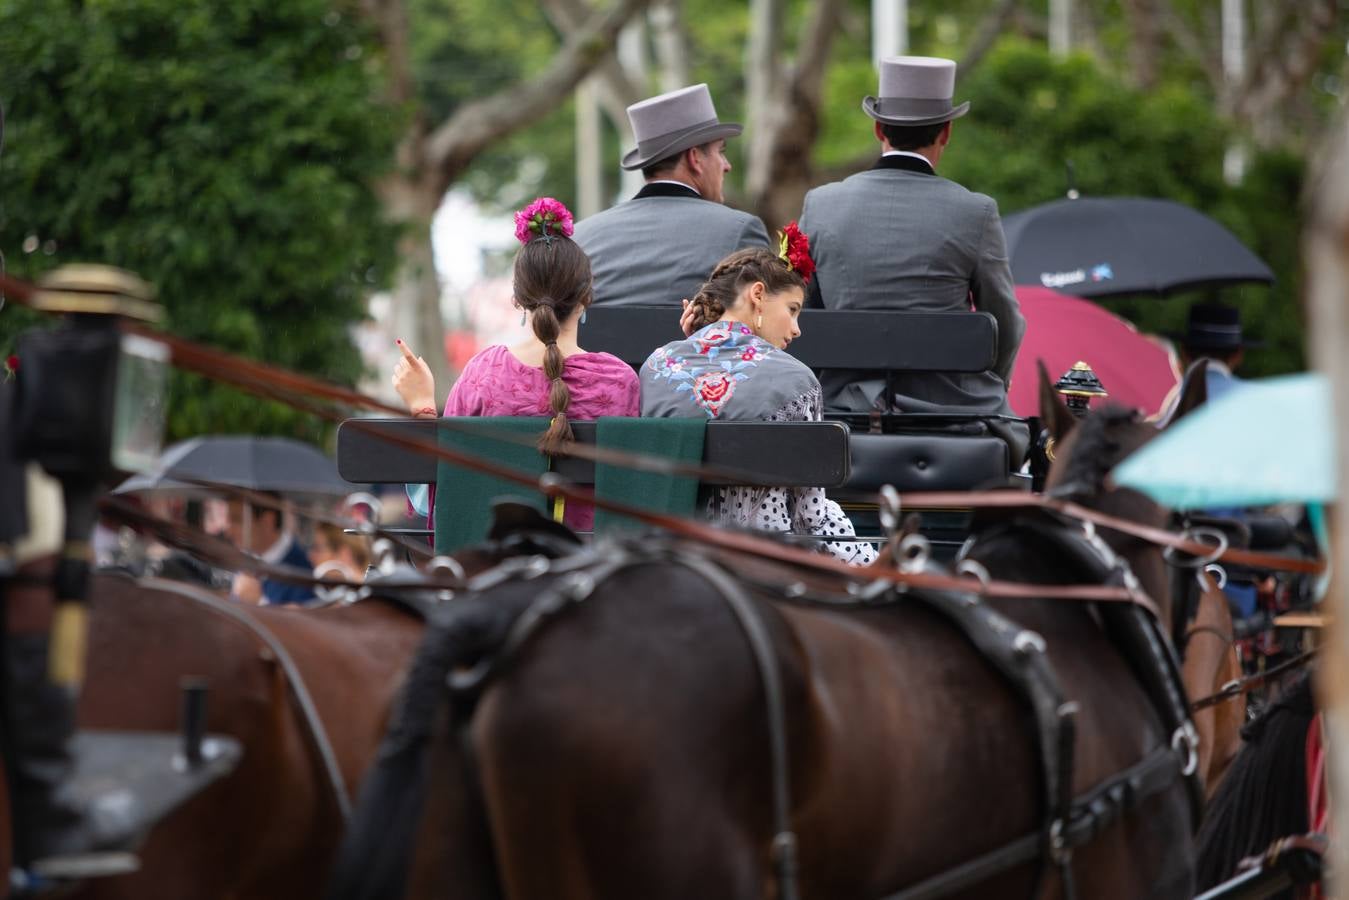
430 159
1145 48
1326 255
1281 64
763 108
777 181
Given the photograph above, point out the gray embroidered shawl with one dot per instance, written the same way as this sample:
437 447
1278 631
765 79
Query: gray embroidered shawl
725 372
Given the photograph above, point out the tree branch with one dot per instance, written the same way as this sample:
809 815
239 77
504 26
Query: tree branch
614 89
778 184
672 44
985 36
1191 42
454 144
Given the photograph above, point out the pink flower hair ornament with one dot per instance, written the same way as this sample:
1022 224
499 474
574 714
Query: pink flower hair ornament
544 218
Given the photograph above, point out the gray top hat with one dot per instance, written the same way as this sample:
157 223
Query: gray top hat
915 90
665 125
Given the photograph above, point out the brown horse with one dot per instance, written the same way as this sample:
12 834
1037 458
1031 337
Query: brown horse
268 830
621 747
1209 661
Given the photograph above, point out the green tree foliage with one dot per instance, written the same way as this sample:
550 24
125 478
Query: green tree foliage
226 152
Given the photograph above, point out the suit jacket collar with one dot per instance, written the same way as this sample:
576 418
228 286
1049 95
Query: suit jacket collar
905 163
666 189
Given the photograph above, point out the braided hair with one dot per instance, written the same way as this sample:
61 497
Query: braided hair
743 267
552 279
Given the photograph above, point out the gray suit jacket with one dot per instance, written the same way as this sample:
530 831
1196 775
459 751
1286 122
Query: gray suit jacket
660 246
899 237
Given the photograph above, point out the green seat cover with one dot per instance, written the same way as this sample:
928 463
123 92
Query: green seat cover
674 438
464 498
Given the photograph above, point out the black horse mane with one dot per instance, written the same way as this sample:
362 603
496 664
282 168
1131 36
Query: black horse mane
1263 796
1097 449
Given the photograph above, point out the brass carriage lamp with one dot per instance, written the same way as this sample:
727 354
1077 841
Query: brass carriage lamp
1078 387
90 398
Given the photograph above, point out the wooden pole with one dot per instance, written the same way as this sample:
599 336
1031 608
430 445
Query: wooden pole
1326 255
632 56
889 29
1234 73
589 151
1060 27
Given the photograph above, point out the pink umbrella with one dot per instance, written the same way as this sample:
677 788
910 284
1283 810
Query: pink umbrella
1137 369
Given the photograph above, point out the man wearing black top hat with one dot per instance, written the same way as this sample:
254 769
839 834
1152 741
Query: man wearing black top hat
1213 332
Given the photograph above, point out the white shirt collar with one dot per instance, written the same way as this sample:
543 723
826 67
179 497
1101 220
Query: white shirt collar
910 153
277 552
672 181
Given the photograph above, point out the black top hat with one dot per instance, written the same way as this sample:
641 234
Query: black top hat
1214 326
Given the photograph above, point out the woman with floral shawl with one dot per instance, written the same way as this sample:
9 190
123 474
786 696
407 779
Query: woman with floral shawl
732 368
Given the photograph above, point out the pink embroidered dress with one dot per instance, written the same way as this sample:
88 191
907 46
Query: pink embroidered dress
495 383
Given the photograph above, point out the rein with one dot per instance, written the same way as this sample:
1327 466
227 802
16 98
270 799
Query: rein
1245 685
1158 536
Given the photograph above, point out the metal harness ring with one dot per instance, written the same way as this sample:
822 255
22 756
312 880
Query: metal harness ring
1185 740
1220 541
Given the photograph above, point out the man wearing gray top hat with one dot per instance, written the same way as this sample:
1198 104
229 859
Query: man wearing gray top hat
660 246
900 237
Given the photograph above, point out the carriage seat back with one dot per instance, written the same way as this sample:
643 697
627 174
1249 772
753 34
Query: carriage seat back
875 340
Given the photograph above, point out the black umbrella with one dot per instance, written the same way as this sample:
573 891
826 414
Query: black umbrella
255 463
1106 246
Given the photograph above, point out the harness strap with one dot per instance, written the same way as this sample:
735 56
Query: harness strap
784 845
318 735
1251 682
1093 812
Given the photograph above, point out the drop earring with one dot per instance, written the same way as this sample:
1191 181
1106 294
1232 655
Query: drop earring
583 317
758 323
522 317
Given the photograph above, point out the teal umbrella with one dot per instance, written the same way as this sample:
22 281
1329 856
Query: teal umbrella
1262 442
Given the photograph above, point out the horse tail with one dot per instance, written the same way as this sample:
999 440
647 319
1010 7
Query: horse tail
1263 796
376 852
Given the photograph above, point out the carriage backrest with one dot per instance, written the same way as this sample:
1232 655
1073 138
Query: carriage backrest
869 340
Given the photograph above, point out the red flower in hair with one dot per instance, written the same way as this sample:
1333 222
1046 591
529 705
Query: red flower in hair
794 247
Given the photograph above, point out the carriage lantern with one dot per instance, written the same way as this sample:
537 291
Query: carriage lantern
1078 387
90 397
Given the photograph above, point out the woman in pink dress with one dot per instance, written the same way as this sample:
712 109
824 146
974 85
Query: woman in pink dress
549 374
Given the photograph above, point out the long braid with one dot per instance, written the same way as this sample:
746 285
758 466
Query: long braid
546 329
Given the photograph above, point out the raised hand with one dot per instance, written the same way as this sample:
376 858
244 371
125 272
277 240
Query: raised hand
686 318
414 382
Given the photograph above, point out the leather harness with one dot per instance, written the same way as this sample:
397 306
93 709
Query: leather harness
1017 654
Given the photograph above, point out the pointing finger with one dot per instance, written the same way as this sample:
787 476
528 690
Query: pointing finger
407 354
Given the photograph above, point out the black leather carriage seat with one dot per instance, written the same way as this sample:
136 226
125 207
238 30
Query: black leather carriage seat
925 462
